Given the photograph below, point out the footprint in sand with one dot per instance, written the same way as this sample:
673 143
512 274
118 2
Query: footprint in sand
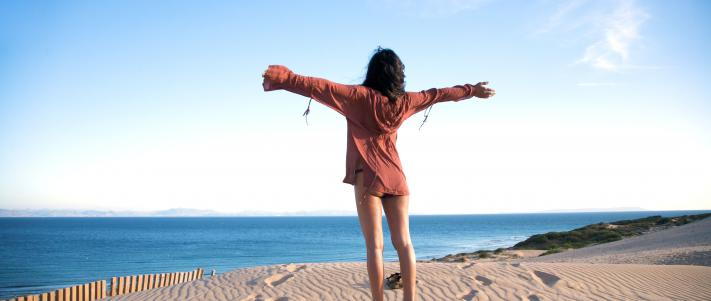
468 296
295 267
484 281
516 264
533 298
466 266
277 279
253 297
525 276
548 279
251 283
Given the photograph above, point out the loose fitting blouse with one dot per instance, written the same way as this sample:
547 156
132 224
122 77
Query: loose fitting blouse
372 121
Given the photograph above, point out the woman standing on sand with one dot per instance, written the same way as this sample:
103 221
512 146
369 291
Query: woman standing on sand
374 111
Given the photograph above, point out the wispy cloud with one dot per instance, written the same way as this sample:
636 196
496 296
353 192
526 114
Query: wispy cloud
612 29
560 16
619 30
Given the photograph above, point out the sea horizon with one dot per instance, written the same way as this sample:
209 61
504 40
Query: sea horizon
191 212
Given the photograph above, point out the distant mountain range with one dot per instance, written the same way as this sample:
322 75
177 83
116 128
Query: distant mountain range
175 212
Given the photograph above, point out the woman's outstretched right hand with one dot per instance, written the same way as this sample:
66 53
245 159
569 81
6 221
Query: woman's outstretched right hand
275 74
482 91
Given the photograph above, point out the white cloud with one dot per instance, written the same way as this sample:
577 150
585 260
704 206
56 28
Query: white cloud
618 32
559 16
610 30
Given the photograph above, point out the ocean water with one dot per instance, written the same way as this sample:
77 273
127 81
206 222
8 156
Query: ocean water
42 254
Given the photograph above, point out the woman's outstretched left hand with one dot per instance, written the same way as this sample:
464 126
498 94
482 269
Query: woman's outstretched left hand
482 91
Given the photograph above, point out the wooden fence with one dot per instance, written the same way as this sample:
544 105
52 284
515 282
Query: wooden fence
130 284
119 286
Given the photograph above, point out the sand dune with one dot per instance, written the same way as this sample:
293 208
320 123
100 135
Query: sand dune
604 272
687 244
450 281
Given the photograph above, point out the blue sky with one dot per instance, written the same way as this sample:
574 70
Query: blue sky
148 105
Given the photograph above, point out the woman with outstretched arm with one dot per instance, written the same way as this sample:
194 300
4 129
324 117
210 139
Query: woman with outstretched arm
374 111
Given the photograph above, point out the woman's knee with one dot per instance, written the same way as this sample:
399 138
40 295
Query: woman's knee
401 244
375 245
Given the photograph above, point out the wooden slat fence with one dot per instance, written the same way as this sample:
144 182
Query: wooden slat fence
119 286
136 283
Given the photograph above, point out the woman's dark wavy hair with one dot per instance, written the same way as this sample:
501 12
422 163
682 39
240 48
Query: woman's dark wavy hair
386 73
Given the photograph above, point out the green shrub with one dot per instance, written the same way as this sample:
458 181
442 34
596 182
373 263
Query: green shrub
601 233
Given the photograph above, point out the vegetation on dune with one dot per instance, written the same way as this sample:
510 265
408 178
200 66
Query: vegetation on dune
599 233
480 254
554 242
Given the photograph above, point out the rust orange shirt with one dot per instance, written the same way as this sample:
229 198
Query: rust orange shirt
372 122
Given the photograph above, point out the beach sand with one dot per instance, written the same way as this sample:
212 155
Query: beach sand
450 281
629 269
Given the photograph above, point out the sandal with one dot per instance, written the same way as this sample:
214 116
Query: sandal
394 281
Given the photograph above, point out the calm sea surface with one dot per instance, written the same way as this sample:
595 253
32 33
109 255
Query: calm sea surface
41 254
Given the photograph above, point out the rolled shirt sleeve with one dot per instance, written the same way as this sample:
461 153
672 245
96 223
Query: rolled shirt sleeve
338 97
425 98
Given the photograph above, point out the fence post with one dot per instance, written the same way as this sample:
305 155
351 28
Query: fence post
113 286
139 283
102 291
92 291
67 294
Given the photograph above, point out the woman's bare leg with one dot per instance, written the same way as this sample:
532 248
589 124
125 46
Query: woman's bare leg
396 208
371 224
